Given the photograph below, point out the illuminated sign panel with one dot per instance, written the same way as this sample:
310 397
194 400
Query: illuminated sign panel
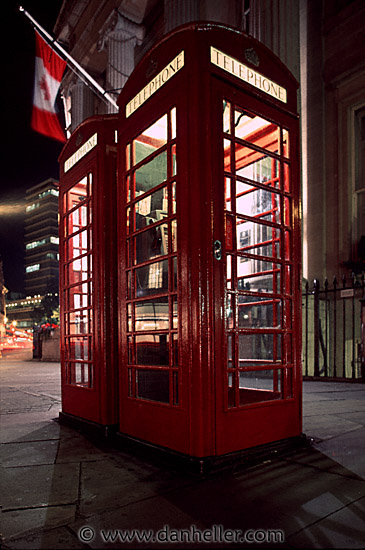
238 69
81 152
155 84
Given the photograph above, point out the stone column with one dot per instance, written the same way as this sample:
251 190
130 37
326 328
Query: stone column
119 37
178 12
82 102
276 24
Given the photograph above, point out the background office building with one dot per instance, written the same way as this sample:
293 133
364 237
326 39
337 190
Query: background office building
41 239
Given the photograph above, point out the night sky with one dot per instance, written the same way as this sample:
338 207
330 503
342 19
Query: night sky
27 158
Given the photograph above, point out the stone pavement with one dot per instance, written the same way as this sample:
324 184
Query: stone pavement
60 490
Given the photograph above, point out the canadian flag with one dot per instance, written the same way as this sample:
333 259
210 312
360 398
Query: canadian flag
49 68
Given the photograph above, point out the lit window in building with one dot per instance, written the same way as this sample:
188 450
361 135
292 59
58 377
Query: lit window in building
34 244
54 240
34 267
32 207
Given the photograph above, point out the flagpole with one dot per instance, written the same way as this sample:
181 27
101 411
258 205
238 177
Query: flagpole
71 59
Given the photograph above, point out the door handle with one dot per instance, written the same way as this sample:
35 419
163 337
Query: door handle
217 250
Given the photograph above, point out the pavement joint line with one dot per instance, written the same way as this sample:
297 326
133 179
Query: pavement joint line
307 527
38 507
341 434
79 493
31 441
350 475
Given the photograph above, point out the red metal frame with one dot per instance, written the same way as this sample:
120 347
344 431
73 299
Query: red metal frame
179 359
201 423
87 260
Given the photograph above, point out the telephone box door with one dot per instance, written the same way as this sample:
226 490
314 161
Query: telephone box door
256 257
152 386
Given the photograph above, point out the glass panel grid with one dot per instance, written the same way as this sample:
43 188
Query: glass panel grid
257 203
152 305
77 246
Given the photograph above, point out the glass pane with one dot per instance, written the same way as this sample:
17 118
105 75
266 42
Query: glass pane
230 311
285 151
79 348
228 200
81 374
151 209
227 154
226 117
173 187
258 276
150 140
256 166
173 123
257 130
259 348
151 174
153 385
78 322
152 349
152 315
230 362
152 243
174 161
152 279
260 385
175 351
173 235
174 312
258 239
78 296
254 201
256 312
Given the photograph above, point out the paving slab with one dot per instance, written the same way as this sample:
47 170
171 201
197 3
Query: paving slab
17 523
57 539
276 495
342 529
13 430
35 486
148 514
348 450
119 482
28 453
328 426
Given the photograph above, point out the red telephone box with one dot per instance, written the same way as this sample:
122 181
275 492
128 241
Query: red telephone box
209 246
87 261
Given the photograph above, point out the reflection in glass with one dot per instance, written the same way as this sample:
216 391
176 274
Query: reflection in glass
151 174
152 349
260 385
259 348
150 140
152 243
255 166
258 239
257 130
153 385
258 276
258 312
152 279
151 209
254 201
81 373
152 314
226 117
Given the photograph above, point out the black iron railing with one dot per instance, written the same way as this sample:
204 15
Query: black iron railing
332 329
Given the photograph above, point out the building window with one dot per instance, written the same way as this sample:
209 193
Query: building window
31 268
